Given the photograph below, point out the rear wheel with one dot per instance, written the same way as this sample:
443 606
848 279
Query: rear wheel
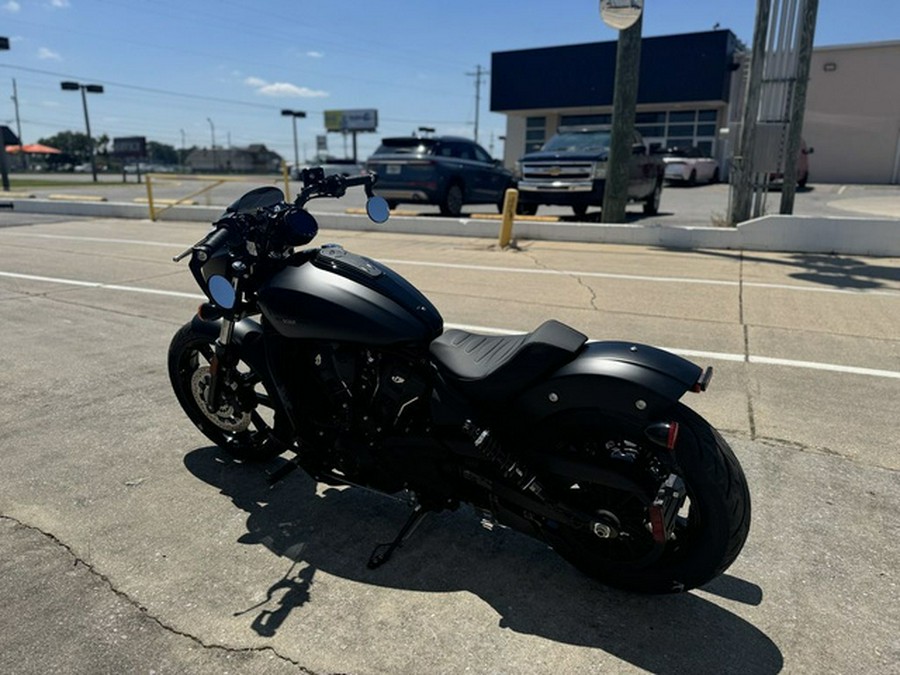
452 203
709 529
244 422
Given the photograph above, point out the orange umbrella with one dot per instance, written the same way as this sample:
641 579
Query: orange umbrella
34 149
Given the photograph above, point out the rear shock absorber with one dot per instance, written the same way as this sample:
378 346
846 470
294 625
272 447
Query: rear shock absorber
511 468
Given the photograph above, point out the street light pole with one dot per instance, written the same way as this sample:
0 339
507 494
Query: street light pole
294 114
212 131
85 89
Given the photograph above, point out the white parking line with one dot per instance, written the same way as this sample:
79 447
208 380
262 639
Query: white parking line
687 353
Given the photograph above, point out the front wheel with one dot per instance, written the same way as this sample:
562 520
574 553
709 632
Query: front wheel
651 205
710 527
244 422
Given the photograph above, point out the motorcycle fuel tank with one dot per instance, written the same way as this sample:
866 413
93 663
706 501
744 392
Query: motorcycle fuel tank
333 294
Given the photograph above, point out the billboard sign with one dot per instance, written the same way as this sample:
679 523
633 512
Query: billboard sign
130 146
351 120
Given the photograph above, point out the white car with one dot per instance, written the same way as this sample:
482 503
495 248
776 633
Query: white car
690 166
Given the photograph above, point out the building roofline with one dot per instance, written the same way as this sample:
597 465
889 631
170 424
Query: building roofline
643 38
858 45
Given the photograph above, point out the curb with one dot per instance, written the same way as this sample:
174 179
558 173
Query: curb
786 234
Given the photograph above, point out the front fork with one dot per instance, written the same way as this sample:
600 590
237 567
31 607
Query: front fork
223 357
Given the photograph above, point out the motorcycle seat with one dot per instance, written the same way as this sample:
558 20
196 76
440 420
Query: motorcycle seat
495 367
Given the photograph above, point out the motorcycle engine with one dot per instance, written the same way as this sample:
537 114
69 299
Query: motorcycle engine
367 394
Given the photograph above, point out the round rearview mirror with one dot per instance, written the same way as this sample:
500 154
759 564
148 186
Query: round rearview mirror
621 14
377 209
221 291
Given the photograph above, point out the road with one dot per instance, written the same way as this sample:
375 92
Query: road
130 545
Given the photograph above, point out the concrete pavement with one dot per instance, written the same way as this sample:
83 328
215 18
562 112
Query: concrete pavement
130 545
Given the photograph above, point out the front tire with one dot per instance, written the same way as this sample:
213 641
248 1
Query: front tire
710 529
651 206
245 421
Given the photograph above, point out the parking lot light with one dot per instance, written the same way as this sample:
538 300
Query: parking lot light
93 89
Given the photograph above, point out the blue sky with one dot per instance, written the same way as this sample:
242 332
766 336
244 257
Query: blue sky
170 66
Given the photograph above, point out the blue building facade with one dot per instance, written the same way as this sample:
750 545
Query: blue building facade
687 89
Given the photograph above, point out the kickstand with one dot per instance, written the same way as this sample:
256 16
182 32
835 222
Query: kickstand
383 552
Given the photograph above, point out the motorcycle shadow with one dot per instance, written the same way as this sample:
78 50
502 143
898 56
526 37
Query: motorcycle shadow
532 589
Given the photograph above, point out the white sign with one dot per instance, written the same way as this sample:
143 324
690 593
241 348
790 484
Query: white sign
621 14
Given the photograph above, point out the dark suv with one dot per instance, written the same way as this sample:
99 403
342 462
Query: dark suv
445 170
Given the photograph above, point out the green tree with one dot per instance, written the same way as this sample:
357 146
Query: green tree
75 147
160 153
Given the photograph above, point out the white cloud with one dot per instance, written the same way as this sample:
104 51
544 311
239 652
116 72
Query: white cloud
283 89
12 7
315 55
59 3
48 54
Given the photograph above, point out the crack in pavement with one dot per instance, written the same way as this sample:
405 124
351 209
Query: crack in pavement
144 611
577 278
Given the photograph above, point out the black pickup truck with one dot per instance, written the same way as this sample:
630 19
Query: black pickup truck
570 170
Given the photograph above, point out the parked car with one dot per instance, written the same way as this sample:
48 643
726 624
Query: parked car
445 170
570 170
689 166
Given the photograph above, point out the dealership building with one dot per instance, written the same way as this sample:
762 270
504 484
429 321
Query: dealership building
691 92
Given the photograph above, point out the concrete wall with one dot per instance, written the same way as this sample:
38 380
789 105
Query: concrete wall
853 113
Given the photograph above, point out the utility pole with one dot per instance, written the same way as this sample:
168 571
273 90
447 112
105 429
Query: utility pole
798 104
477 75
15 98
628 61
743 161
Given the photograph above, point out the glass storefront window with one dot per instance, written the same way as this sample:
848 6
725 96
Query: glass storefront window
681 130
584 120
682 116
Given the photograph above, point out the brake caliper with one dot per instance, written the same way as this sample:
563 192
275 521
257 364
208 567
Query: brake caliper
664 509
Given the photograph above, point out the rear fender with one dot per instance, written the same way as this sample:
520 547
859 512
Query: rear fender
616 378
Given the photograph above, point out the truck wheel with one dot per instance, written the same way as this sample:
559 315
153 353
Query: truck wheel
651 206
580 210
526 209
452 203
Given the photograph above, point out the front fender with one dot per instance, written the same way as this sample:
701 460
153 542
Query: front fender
619 378
247 334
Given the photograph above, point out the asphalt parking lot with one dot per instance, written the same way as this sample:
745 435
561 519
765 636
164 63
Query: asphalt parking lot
130 545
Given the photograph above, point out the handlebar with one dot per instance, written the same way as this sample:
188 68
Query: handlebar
208 244
318 185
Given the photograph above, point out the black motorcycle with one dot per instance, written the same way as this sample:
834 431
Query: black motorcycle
337 359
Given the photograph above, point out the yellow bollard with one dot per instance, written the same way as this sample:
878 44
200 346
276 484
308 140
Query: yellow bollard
510 201
287 183
150 199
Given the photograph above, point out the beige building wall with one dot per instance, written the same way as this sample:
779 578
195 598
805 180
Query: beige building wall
853 113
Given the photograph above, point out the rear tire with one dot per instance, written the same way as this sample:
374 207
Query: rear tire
711 527
453 201
244 424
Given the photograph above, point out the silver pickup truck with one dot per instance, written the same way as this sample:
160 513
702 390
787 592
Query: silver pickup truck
570 170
